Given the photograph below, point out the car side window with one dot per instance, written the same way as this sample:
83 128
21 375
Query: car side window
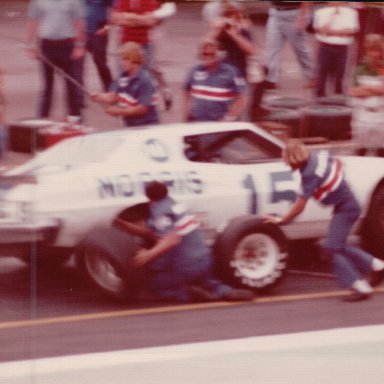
230 147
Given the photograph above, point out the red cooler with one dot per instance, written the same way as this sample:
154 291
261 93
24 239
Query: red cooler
49 136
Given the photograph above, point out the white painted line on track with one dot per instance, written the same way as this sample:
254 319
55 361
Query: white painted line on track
178 353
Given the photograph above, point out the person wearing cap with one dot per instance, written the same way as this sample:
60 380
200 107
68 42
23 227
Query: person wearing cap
179 264
133 95
322 179
213 90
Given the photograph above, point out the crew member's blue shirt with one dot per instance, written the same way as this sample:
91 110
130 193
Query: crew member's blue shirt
213 92
166 216
137 90
322 178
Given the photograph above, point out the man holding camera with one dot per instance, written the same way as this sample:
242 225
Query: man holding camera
232 31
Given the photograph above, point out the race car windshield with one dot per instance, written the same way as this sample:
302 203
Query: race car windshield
236 147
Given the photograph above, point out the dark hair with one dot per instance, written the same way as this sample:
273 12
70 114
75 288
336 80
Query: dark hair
155 190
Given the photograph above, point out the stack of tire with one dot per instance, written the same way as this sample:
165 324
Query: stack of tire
328 118
330 121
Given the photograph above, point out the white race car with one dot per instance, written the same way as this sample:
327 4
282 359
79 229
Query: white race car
228 174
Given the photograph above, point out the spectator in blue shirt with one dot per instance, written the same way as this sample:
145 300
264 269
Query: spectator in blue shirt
214 91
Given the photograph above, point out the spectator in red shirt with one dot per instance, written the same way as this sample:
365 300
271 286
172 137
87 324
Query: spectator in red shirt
137 18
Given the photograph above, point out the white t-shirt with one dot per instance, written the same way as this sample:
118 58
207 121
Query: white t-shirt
338 18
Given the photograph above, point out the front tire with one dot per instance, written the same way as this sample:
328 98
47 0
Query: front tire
373 229
252 254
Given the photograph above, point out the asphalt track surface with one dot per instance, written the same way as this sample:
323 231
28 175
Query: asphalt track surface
345 356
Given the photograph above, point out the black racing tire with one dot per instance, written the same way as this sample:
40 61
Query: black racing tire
104 257
288 102
23 134
252 254
373 227
286 116
330 121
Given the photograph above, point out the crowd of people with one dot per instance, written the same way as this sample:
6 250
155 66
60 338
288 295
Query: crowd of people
222 86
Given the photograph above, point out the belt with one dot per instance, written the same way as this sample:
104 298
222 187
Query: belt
58 42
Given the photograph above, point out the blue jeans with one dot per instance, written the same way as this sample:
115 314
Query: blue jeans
172 283
58 54
349 263
281 27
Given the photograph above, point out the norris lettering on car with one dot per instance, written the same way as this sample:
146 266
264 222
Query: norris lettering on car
188 182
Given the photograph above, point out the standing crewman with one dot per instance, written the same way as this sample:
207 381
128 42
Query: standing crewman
56 35
137 20
133 95
322 178
214 91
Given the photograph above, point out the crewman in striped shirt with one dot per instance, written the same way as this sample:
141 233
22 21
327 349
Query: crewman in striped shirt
133 96
213 90
180 264
322 178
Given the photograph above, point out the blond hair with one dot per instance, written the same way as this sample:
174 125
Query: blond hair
132 51
295 153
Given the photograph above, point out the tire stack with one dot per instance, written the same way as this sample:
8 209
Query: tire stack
285 110
327 119
330 121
